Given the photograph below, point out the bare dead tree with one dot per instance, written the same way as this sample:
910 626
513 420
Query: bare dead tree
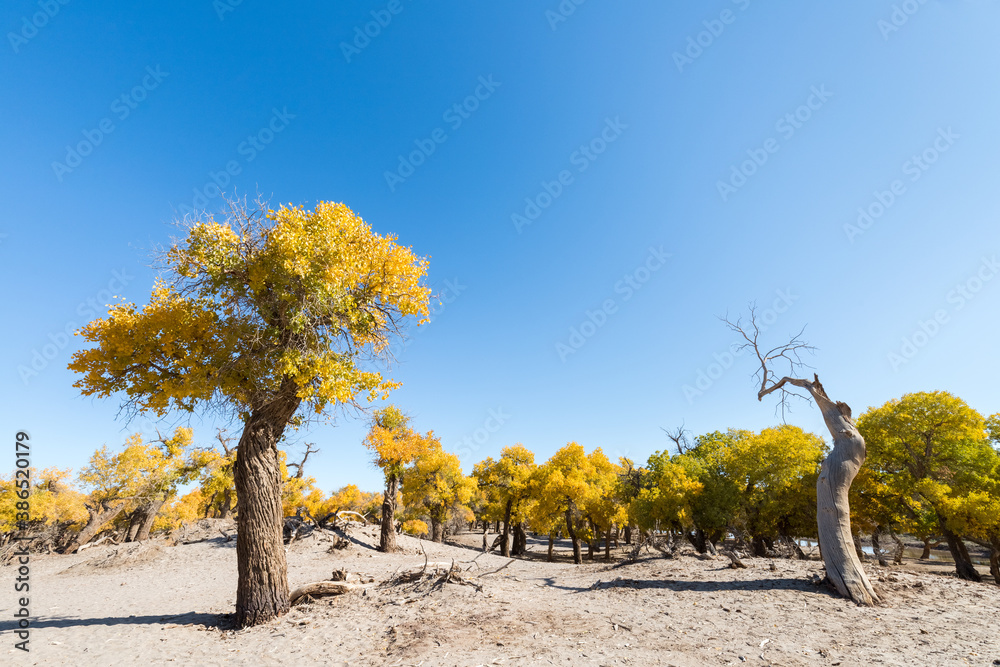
301 465
681 438
833 514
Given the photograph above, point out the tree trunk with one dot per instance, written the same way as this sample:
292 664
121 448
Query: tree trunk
141 521
833 512
900 547
995 560
227 501
963 563
699 541
628 535
99 516
505 542
387 539
520 540
607 544
208 505
577 557
262 573
437 530
858 549
877 548
552 544
758 548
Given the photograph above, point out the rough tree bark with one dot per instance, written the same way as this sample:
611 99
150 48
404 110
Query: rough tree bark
577 557
262 573
505 542
99 515
995 559
963 562
141 520
387 539
520 540
838 470
552 544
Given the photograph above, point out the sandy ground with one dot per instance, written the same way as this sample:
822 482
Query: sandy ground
170 605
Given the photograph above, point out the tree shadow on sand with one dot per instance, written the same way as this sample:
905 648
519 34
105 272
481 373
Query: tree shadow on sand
708 586
218 621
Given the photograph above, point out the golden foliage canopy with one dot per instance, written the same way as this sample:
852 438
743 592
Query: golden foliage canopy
265 300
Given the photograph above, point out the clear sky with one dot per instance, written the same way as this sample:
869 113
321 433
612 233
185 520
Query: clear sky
625 171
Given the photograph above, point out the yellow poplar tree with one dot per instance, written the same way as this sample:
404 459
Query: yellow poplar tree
504 484
138 480
393 445
560 488
435 483
53 501
258 316
931 449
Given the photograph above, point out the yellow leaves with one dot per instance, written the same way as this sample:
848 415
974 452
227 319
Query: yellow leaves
51 498
163 354
415 527
504 480
435 481
393 443
139 471
298 294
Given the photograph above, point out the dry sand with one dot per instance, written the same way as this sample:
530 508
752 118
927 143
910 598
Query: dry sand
154 604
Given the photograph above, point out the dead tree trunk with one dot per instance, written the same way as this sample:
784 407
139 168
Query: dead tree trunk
387 538
841 466
833 511
262 573
99 515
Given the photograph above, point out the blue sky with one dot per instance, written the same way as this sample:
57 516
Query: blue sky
613 179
